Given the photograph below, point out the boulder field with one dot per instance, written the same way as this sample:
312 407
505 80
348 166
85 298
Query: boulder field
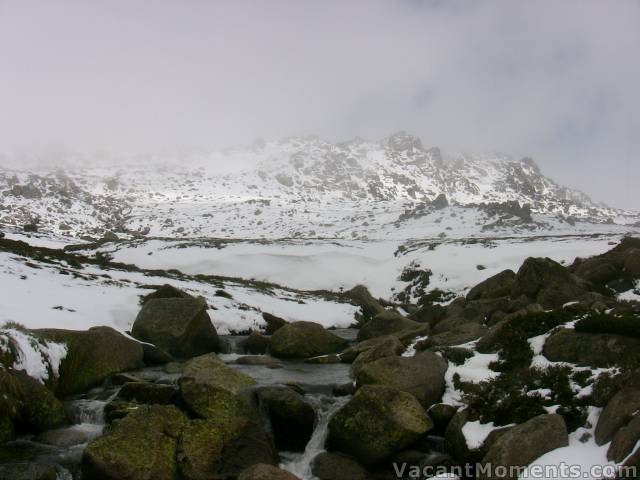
544 333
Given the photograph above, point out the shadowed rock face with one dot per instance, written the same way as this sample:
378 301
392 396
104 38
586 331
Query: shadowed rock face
547 282
614 270
291 417
592 349
26 406
493 287
617 414
178 326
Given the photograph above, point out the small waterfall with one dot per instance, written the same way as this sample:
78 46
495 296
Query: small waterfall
87 411
87 415
300 464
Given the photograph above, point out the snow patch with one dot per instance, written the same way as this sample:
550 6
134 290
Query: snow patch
475 433
411 349
38 358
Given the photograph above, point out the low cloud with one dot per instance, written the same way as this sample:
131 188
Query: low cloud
554 80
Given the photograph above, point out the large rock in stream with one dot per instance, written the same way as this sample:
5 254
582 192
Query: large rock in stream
292 418
376 423
229 433
141 446
92 356
179 326
26 406
421 375
209 385
305 340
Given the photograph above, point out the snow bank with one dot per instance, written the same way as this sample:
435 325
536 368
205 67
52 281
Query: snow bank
38 358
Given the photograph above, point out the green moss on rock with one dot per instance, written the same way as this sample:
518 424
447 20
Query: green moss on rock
376 423
92 356
141 446
179 326
209 387
305 340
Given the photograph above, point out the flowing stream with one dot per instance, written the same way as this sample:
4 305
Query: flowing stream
300 463
63 448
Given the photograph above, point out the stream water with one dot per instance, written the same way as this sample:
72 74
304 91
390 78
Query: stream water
300 464
63 448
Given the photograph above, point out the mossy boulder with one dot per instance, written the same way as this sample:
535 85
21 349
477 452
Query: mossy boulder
179 326
350 354
223 446
496 286
305 340
152 355
40 409
441 414
386 323
264 360
255 344
92 356
141 446
273 323
209 386
292 418
147 392
229 433
10 404
361 296
379 347
591 349
524 443
263 471
459 313
421 375
376 423
335 466
117 409
458 335
429 314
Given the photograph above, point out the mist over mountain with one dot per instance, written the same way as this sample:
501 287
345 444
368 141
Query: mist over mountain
337 240
297 187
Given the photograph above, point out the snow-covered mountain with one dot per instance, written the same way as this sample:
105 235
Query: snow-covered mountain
299 187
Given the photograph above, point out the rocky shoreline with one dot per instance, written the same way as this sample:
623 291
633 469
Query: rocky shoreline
180 401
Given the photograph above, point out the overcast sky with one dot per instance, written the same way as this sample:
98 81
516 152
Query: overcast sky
558 80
